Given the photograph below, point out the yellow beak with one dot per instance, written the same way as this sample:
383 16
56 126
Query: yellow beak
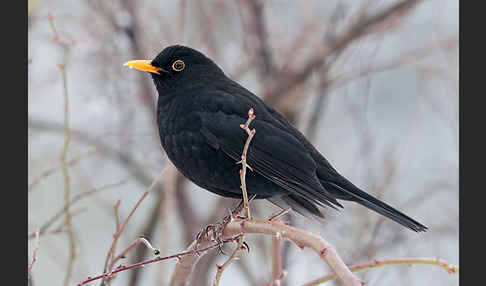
144 65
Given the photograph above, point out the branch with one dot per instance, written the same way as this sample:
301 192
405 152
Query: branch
277 260
75 199
244 165
67 137
140 264
234 256
108 263
241 245
47 172
340 42
299 237
452 269
34 255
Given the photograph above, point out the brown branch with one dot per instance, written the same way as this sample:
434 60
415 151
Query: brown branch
410 58
147 230
299 237
167 216
259 28
244 165
74 200
136 265
241 245
234 256
47 172
125 160
108 263
277 256
452 269
339 43
67 137
34 255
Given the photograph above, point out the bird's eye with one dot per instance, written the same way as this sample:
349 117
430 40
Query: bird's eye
178 66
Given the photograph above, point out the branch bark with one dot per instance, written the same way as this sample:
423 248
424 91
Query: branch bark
301 238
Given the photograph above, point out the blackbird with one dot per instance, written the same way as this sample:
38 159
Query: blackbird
199 113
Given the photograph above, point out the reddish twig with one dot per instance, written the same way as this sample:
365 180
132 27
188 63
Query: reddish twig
244 165
108 264
241 245
34 254
234 256
452 269
139 264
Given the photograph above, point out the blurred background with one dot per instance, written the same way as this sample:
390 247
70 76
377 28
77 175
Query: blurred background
373 84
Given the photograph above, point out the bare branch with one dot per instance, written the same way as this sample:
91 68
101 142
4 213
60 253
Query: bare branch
109 264
34 254
299 237
452 269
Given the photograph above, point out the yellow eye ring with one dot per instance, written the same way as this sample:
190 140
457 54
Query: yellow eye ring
178 65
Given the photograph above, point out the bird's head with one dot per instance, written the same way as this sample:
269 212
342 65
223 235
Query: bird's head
178 66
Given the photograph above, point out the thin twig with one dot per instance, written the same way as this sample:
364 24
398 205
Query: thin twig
67 136
354 32
167 217
108 264
234 256
47 172
241 245
74 200
244 165
34 254
135 265
140 240
452 269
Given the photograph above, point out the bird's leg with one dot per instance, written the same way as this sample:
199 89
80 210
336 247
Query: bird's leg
217 228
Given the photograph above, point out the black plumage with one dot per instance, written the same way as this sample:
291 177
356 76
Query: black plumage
199 112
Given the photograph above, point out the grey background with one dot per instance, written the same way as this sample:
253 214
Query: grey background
403 118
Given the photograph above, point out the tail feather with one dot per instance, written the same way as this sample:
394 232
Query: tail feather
297 203
353 193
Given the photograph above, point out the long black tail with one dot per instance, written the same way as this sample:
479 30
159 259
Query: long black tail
348 191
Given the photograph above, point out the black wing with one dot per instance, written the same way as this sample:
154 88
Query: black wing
273 153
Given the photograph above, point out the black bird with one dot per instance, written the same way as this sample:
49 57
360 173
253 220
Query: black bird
199 113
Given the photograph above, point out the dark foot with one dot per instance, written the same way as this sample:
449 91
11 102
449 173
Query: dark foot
215 231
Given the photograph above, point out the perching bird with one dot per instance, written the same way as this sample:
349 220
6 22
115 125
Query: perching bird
199 113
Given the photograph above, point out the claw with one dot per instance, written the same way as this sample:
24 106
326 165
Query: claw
217 230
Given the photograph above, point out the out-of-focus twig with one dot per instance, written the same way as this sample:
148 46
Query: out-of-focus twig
167 216
47 172
67 137
34 254
452 269
125 160
74 200
362 27
109 264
